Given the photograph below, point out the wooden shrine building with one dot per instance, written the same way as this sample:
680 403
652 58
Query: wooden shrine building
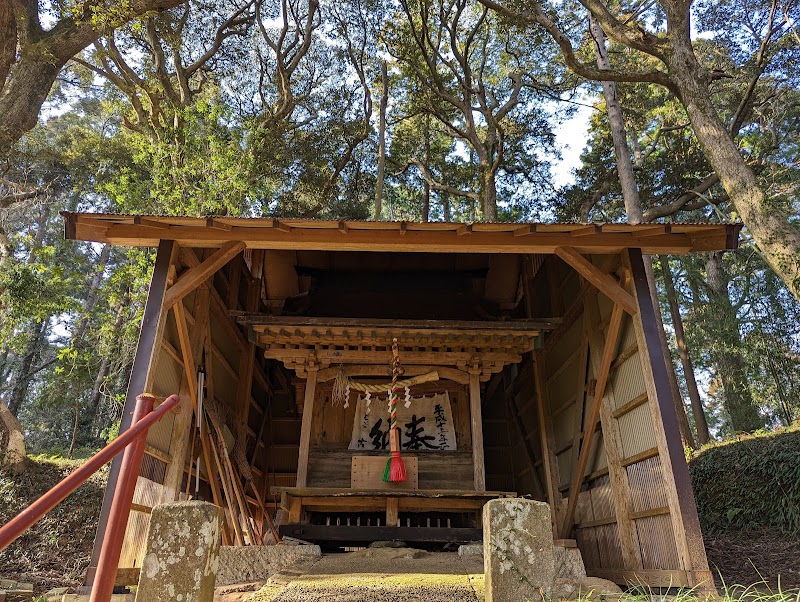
531 360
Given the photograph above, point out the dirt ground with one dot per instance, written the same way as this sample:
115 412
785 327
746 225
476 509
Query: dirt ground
747 558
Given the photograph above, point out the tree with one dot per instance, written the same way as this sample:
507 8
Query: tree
31 56
661 35
479 80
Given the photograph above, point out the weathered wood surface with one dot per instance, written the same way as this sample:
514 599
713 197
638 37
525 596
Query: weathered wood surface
437 470
343 492
366 472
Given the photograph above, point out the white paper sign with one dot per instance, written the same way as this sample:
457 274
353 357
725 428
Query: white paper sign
425 425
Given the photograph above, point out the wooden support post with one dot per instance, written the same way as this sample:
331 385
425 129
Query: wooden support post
547 440
312 369
190 347
477 427
675 472
392 512
609 351
612 443
200 332
295 510
142 373
605 283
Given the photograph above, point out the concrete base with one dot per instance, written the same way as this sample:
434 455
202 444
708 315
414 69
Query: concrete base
181 559
242 564
518 554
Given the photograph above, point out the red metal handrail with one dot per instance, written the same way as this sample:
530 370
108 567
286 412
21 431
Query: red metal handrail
133 442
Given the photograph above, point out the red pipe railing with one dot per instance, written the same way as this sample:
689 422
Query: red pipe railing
133 442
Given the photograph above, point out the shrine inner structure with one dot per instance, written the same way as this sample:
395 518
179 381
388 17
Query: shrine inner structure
516 359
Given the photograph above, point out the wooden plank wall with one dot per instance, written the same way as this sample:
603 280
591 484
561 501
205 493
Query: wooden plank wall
227 359
330 460
623 522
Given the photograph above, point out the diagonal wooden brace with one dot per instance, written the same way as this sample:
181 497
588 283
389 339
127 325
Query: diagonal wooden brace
195 276
605 283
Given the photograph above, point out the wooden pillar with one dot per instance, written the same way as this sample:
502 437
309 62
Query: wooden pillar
150 334
305 429
477 428
547 440
675 472
183 425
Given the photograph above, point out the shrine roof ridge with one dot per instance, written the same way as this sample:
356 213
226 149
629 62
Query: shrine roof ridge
399 236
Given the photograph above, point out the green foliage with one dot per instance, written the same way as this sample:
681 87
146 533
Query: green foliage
749 483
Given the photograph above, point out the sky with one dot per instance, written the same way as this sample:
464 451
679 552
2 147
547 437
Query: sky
571 138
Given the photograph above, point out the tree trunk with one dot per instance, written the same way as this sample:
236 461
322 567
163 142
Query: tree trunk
381 142
771 228
91 295
426 187
89 415
12 441
633 210
448 217
700 422
488 192
731 367
22 380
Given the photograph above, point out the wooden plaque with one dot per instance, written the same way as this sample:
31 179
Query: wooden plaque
367 473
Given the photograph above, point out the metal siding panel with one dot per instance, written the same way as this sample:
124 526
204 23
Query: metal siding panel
647 485
602 499
636 429
657 541
628 381
609 546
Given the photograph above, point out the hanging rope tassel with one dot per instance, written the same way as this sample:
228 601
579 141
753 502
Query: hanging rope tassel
395 471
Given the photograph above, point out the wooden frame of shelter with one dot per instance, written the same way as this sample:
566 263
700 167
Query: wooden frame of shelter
544 336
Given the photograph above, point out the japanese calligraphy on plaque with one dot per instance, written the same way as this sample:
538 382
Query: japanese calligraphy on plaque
425 425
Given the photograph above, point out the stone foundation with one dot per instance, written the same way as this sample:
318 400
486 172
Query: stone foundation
242 564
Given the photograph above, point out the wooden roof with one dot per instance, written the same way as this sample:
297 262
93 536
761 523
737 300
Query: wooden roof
294 340
435 237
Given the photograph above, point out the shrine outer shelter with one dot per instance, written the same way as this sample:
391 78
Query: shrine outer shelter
532 366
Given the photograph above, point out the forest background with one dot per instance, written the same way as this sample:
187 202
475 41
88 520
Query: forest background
417 110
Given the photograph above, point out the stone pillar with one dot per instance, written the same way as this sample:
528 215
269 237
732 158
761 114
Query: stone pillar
518 554
182 554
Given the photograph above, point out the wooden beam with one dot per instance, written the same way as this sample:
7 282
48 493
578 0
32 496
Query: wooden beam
142 374
307 423
525 230
453 374
218 225
343 227
149 223
547 439
195 276
613 445
586 230
674 471
479 466
612 340
465 229
604 282
279 225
